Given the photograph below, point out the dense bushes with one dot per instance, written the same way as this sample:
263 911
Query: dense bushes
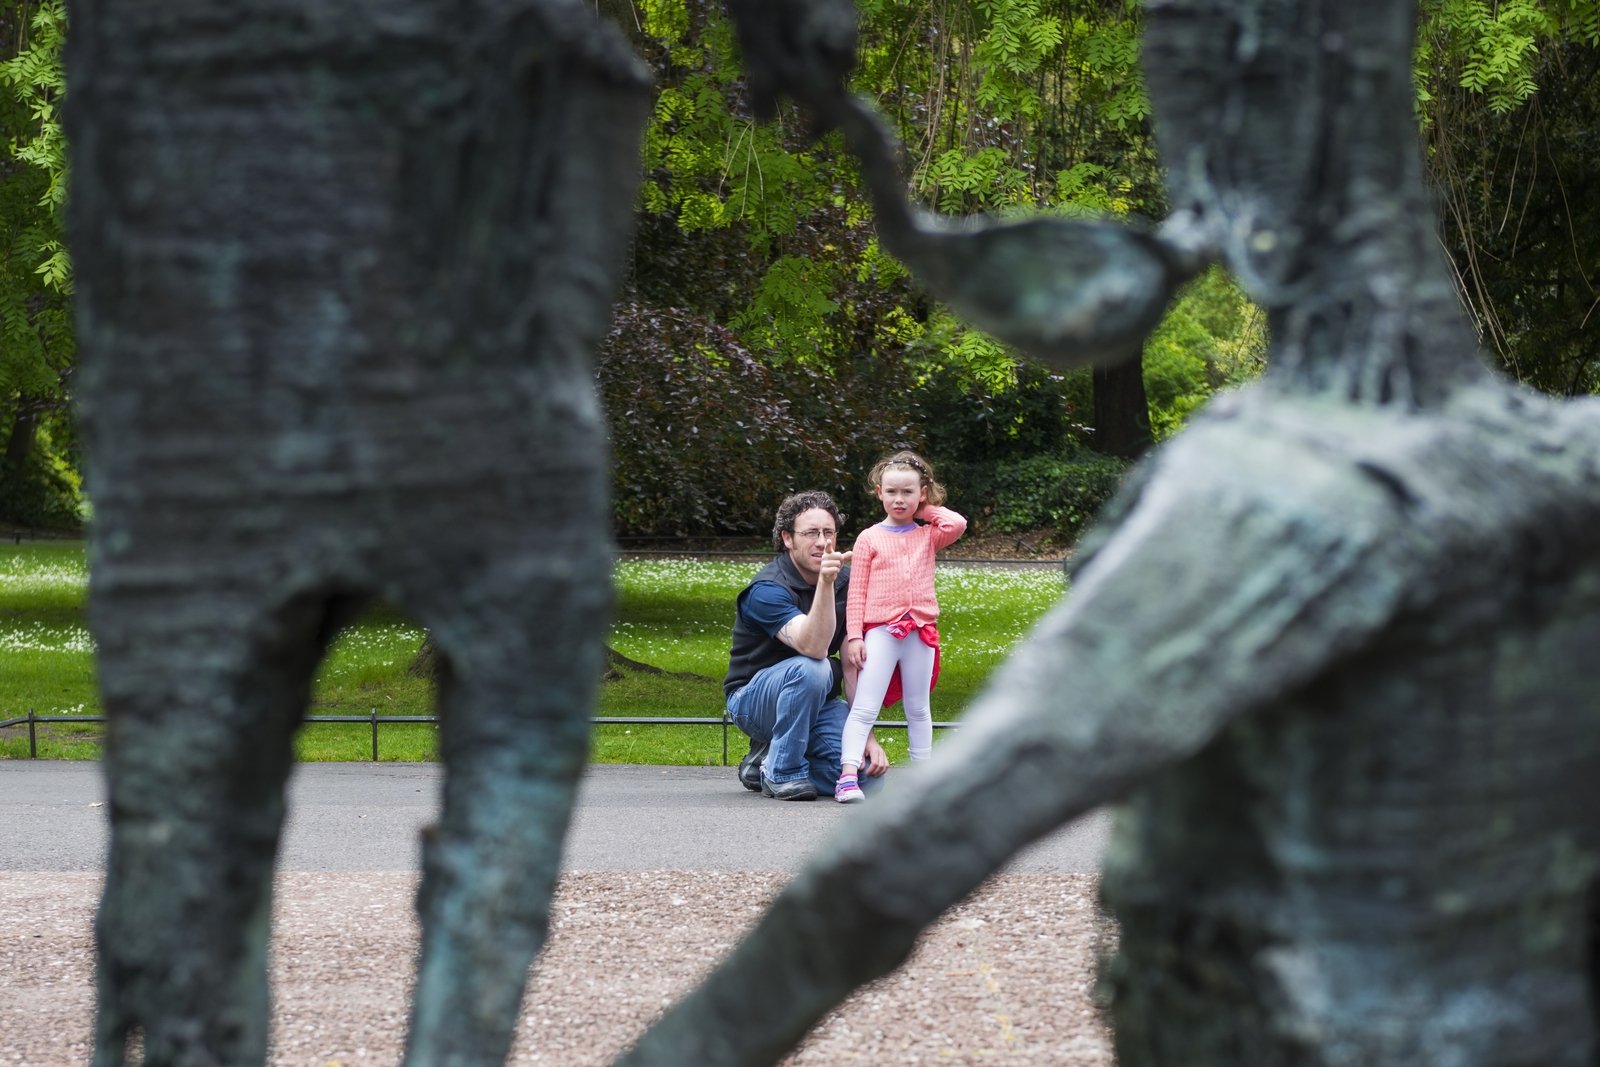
1015 458
707 440
1035 492
39 482
1039 412
39 494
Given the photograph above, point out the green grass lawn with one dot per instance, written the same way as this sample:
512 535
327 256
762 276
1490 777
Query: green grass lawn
671 614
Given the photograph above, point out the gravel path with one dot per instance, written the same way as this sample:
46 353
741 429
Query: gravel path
1005 978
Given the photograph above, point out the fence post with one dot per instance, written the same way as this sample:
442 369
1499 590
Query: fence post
33 737
724 737
374 735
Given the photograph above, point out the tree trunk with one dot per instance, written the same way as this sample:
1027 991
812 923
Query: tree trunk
425 664
1121 411
19 442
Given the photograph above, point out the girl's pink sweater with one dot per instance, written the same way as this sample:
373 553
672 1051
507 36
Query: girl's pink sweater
892 573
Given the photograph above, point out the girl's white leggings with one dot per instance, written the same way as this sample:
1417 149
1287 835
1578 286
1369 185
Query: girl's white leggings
915 661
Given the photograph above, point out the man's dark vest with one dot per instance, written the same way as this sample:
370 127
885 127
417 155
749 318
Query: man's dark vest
753 650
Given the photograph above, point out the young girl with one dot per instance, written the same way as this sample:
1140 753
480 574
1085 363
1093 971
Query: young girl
891 609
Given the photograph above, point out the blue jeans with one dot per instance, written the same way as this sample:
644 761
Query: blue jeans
788 704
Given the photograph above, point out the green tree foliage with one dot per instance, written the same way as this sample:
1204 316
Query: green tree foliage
1040 492
1212 339
1014 103
1005 106
1510 99
1496 48
754 244
38 480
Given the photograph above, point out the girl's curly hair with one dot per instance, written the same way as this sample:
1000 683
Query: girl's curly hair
906 460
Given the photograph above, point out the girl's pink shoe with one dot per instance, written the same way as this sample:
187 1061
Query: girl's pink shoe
848 790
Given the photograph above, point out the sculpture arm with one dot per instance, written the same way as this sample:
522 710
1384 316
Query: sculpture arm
1066 291
1208 601
800 48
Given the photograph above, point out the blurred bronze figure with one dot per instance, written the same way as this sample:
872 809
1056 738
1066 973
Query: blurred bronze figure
341 267
1330 647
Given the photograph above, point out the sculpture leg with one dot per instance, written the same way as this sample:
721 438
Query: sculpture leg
515 699
202 715
854 916
1018 769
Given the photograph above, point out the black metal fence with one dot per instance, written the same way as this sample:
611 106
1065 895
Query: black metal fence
374 720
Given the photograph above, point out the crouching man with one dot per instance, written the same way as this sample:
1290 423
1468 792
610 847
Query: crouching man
784 673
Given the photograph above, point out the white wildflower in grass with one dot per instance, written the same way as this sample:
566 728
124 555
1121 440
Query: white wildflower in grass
677 614
46 710
674 614
38 637
683 577
371 649
1029 588
24 575
985 611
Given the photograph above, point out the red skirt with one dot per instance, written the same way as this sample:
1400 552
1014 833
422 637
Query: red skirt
899 629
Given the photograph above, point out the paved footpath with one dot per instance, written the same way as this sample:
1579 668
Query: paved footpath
366 817
664 869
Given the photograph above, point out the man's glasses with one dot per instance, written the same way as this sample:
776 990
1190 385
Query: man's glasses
812 535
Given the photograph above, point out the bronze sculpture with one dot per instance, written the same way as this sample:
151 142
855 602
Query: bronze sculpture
1329 647
341 269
